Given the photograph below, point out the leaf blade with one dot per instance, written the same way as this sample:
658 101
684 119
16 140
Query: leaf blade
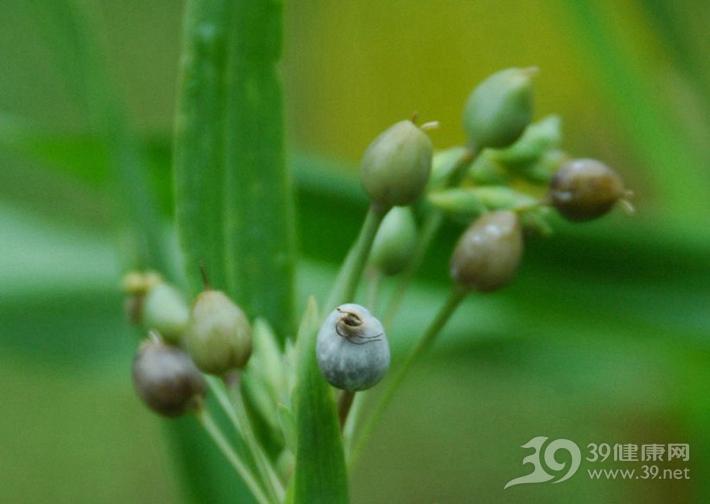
320 475
199 150
259 219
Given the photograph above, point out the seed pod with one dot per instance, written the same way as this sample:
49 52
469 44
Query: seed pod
443 164
166 379
487 255
138 283
500 108
219 335
584 189
352 348
396 165
165 310
537 139
395 241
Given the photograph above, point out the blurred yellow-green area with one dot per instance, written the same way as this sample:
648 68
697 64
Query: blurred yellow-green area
605 338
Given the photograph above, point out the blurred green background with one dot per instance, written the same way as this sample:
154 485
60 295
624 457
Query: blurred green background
604 338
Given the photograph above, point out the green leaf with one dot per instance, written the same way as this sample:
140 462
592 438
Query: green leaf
259 220
199 142
288 427
68 29
264 384
320 475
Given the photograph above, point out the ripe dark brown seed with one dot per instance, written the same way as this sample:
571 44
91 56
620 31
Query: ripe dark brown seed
584 189
166 379
488 254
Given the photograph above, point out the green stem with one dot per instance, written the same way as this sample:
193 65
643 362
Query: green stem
374 281
234 411
264 465
455 297
349 276
345 402
430 229
220 440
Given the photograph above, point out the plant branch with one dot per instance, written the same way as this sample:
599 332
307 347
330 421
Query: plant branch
236 462
349 275
455 297
430 229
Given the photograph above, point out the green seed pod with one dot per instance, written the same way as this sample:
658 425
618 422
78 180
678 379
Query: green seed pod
395 241
584 189
219 335
352 349
396 165
486 170
500 108
487 255
459 203
138 283
538 138
166 379
443 165
165 310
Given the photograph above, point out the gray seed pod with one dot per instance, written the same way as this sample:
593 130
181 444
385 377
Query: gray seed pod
352 348
166 379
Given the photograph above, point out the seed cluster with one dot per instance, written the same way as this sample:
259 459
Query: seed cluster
502 186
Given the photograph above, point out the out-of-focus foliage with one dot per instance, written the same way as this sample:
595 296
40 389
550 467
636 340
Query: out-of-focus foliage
604 337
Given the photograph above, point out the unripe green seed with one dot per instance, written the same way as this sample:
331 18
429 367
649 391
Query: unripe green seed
166 379
443 165
488 253
219 335
395 241
537 139
584 189
165 310
352 349
500 108
396 165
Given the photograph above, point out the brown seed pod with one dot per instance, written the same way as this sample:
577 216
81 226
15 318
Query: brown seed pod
584 189
488 253
166 379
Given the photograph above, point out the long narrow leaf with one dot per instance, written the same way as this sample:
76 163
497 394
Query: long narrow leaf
259 202
320 475
199 154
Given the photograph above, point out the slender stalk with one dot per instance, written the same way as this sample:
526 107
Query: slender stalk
430 229
349 275
220 440
455 297
270 482
345 401
264 465
352 422
374 281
